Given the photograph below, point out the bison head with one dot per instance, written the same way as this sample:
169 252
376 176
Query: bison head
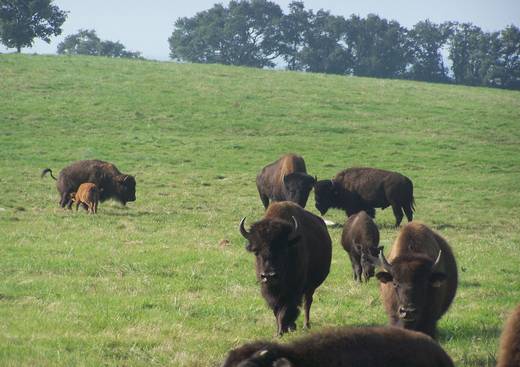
413 278
297 186
324 195
125 188
369 260
272 241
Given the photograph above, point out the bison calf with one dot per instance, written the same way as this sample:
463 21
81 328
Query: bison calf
345 347
419 281
360 238
285 179
509 352
293 253
357 189
87 194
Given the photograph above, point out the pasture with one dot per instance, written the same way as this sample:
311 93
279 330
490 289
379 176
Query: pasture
166 280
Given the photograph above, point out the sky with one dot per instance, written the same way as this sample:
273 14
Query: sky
145 26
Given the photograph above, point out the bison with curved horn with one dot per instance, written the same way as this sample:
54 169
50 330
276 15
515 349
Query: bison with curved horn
509 352
293 251
419 279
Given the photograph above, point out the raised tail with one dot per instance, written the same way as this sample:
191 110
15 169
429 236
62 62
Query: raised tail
50 171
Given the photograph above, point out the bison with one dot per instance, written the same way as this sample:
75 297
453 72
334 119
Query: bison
360 238
110 181
356 189
345 347
285 179
419 281
293 254
88 195
509 352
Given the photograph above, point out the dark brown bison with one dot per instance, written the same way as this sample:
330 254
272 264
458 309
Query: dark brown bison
357 189
110 181
360 238
293 253
285 179
345 347
87 195
509 352
419 281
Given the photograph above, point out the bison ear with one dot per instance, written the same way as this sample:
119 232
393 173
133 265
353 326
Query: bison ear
436 279
384 277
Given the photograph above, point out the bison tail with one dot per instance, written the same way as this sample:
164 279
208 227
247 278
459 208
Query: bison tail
50 171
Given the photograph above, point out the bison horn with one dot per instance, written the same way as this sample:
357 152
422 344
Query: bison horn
243 231
295 224
436 263
384 263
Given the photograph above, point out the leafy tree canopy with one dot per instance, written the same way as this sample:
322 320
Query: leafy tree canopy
21 21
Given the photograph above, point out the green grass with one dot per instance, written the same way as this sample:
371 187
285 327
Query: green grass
150 284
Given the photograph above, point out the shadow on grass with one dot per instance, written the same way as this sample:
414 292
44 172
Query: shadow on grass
468 332
134 214
466 284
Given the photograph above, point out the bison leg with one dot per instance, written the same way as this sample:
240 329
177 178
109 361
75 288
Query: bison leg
77 205
265 200
371 212
409 212
286 318
307 309
65 200
356 267
398 213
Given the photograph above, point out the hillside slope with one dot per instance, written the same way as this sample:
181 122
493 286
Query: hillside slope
153 283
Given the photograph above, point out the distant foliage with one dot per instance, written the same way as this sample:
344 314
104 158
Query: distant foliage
86 42
21 21
257 33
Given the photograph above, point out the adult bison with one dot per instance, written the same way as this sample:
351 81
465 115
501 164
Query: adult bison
360 238
285 179
293 253
509 352
419 281
356 189
110 181
345 347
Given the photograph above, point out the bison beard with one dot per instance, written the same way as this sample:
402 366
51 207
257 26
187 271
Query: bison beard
342 347
111 182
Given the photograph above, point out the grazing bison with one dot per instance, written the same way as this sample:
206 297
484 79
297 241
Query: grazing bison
293 253
87 194
419 281
110 181
357 189
345 347
285 179
509 352
360 238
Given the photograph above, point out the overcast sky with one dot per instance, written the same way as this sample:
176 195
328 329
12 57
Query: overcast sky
146 25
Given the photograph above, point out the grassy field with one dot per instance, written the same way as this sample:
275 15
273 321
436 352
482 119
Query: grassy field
153 283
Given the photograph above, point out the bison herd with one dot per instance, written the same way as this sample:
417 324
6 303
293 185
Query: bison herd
293 250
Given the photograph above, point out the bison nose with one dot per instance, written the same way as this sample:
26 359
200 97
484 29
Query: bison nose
407 313
266 276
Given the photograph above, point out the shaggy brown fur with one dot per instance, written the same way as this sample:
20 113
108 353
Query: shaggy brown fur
414 292
87 194
285 179
345 347
357 189
111 182
509 352
360 238
290 262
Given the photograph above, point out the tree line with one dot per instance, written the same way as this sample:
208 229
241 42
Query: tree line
258 33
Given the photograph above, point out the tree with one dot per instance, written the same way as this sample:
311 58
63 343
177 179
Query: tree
426 42
21 21
380 47
292 28
245 33
86 42
323 47
506 73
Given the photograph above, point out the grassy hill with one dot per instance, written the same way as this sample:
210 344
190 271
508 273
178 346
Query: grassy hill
152 283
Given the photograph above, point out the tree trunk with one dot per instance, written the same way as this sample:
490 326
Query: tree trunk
18 49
